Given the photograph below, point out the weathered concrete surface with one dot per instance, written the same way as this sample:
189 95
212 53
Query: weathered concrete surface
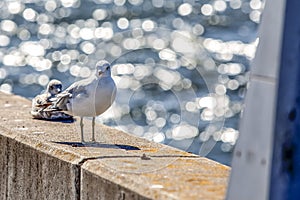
183 178
3 167
44 160
32 174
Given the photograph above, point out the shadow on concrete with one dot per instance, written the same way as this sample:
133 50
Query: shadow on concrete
99 145
61 120
142 157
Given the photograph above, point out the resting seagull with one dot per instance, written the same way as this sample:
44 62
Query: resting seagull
42 101
89 97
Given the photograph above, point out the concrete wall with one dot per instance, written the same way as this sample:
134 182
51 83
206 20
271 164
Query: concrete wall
27 173
44 160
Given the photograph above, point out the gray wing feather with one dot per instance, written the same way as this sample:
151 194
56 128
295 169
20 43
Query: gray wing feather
60 104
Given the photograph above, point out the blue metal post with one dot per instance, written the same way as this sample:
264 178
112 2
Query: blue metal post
285 173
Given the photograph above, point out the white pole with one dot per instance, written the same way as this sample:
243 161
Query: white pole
252 159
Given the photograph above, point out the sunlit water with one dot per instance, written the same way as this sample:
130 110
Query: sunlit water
181 67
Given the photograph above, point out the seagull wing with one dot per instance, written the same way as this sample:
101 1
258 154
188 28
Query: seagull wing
39 104
41 101
78 87
62 99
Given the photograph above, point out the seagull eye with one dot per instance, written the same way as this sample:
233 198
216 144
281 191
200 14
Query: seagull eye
108 67
51 87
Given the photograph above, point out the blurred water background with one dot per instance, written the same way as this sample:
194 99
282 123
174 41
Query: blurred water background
181 66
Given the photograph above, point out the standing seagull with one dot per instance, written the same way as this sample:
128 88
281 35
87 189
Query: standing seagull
42 101
89 97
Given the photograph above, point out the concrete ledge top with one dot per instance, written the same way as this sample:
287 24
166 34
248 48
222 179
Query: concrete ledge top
151 170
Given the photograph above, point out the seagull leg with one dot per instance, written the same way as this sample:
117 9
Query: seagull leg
93 129
81 129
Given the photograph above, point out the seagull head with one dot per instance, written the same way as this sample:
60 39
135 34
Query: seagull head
102 68
54 87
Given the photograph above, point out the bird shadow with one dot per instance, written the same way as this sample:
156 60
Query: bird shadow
61 120
99 145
